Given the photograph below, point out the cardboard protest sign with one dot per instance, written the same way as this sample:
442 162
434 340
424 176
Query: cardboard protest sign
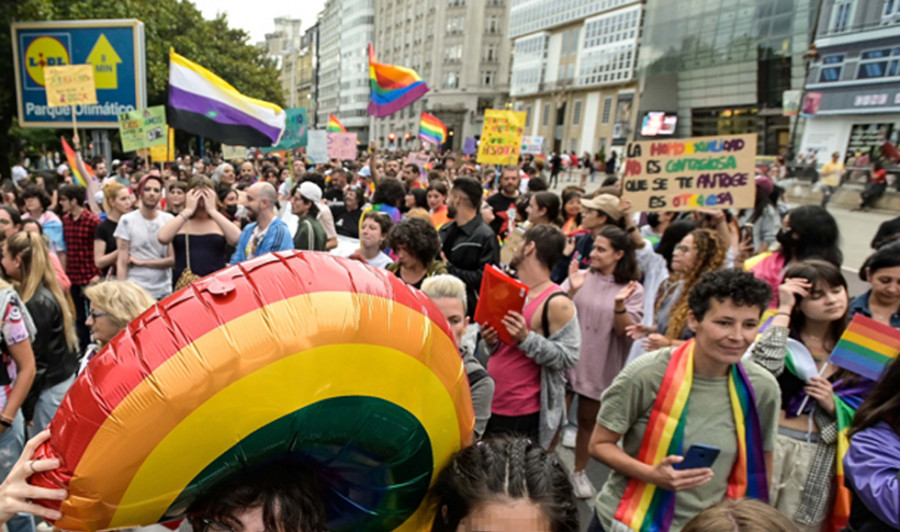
317 146
342 146
687 174
230 153
143 128
296 128
501 137
532 145
70 85
419 159
166 150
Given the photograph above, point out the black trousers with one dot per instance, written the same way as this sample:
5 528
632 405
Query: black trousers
514 426
594 525
81 312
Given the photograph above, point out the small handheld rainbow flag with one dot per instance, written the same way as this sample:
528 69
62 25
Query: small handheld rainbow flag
73 164
393 87
866 347
334 125
432 130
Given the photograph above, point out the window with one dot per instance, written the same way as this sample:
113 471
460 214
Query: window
831 68
487 78
490 53
545 119
878 63
493 24
451 80
576 113
453 53
454 25
841 15
528 111
607 108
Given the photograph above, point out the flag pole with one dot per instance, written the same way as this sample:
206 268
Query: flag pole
74 122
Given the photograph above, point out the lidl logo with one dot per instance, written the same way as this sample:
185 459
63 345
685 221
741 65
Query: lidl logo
43 52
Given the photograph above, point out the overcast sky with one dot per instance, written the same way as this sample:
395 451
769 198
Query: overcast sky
257 17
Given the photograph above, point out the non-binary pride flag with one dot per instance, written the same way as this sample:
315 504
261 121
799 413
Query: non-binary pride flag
393 87
866 347
432 130
204 104
334 125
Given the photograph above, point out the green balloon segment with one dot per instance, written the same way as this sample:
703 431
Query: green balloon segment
371 457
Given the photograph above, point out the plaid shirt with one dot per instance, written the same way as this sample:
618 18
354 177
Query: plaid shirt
79 237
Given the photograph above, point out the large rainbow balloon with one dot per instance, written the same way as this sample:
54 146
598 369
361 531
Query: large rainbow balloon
340 365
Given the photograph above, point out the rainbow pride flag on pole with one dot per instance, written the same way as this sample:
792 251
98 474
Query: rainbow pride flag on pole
393 87
866 347
73 164
334 125
432 130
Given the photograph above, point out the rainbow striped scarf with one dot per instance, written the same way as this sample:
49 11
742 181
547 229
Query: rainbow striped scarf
645 507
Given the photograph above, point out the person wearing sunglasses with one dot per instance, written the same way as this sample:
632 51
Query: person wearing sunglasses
113 304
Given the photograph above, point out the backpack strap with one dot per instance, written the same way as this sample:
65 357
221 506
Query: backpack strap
545 324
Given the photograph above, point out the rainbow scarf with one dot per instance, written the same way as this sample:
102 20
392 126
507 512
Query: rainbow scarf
73 164
846 401
431 129
334 125
645 507
392 87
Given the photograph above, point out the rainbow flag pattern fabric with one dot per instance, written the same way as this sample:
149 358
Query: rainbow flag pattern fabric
647 508
432 130
73 164
866 347
334 125
392 87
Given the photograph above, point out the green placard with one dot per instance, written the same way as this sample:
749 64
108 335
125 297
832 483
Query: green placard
143 128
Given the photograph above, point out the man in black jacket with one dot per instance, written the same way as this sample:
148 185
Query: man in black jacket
467 243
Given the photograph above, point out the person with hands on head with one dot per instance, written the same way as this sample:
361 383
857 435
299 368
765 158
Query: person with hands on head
17 496
811 316
529 395
665 401
609 299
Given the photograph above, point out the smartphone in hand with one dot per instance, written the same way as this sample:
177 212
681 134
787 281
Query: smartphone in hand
697 456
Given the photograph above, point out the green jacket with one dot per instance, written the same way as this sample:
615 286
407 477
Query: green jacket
310 235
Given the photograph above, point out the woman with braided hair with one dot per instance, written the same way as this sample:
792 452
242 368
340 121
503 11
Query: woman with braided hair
505 484
699 252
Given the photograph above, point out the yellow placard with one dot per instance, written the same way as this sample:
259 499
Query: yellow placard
501 137
70 85
164 152
688 174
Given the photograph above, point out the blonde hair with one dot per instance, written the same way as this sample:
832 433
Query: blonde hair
110 191
37 271
419 212
122 301
742 515
445 285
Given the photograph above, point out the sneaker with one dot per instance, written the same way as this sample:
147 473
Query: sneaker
568 437
582 484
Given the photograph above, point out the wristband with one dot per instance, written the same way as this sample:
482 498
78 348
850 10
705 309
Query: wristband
5 423
623 311
783 313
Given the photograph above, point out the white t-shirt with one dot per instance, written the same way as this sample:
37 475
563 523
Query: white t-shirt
19 173
141 235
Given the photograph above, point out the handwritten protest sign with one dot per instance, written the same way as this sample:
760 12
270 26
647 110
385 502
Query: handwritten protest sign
295 131
532 145
342 146
166 150
688 174
501 137
419 159
230 153
143 128
317 146
70 85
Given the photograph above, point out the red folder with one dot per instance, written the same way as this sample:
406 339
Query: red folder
499 294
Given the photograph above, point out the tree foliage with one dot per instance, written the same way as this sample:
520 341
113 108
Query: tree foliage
168 24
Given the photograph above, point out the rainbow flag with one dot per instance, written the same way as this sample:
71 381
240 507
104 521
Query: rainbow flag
645 507
866 347
432 130
393 87
73 164
335 126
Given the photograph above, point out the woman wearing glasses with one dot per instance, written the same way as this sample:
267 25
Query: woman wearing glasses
113 305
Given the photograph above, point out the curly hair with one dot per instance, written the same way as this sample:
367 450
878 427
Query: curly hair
742 288
500 470
710 257
418 237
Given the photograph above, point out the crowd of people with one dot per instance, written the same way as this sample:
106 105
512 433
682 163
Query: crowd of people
639 337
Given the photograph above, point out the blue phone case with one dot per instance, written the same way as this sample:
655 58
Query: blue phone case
699 456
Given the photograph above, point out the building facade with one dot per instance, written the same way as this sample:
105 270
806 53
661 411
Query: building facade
574 71
307 79
283 45
345 29
461 50
853 88
722 66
